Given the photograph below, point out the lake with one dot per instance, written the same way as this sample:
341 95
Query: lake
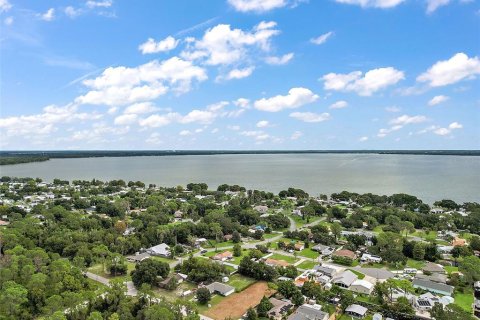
428 177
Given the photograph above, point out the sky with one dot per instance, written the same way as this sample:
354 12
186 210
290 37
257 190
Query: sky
239 74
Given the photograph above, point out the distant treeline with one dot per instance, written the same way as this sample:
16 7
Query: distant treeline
45 155
5 160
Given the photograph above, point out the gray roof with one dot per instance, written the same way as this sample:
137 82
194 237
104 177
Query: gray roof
220 288
163 249
356 308
435 277
375 272
347 277
435 286
325 270
307 312
139 257
433 267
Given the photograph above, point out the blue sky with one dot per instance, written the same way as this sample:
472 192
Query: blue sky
240 74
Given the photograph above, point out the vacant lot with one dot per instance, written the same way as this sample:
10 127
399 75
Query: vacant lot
236 305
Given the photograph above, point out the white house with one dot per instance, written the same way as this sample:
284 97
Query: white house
162 250
361 286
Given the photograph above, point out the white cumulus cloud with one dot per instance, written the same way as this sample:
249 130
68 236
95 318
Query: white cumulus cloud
383 4
453 70
339 105
151 46
263 124
257 5
310 116
124 85
437 100
280 60
222 45
322 38
433 5
295 98
5 6
373 80
49 15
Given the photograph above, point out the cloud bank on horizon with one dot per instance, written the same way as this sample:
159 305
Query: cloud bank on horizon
240 74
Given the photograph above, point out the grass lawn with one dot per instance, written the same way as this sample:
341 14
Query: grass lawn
240 282
415 264
98 270
359 274
306 265
216 298
430 236
270 235
289 259
451 269
464 300
309 253
167 260
173 295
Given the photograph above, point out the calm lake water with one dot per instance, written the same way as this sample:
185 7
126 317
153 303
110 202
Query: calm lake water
428 177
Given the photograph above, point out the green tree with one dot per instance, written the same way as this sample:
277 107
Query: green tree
237 250
251 314
203 295
148 271
418 251
264 306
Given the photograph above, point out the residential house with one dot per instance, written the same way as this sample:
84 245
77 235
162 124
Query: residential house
223 256
279 309
200 241
431 267
356 311
345 279
459 242
427 300
369 258
361 286
261 209
345 253
299 246
309 312
377 316
138 257
162 250
434 287
435 277
331 272
220 288
323 250
276 263
178 215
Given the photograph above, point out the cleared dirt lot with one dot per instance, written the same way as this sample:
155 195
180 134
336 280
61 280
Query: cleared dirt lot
236 305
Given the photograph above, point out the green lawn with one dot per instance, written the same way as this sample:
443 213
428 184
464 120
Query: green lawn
240 282
451 269
306 265
415 264
309 253
464 300
215 300
430 236
173 295
289 259
98 270
270 235
167 260
359 274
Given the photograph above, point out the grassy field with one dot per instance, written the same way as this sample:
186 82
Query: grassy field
464 300
306 265
289 259
451 269
240 282
415 264
98 270
309 253
270 235
173 295
216 299
359 274
429 236
167 260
